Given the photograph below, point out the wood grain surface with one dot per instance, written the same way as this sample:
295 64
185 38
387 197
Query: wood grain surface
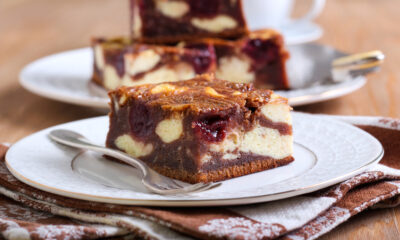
31 29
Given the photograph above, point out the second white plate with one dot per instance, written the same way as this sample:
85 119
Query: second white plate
326 152
65 77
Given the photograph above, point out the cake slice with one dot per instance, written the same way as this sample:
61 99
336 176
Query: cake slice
259 57
203 129
171 21
121 62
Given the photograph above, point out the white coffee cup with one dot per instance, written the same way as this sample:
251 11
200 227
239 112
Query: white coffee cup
276 13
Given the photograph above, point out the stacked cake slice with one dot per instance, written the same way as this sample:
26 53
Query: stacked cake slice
173 40
164 21
119 62
189 94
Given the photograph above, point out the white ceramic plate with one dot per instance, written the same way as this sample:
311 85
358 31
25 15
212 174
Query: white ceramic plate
65 77
326 152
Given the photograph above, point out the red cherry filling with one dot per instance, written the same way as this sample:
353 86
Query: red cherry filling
202 58
201 64
211 129
261 51
204 8
140 120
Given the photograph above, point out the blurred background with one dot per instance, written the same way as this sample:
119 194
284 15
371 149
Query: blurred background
33 29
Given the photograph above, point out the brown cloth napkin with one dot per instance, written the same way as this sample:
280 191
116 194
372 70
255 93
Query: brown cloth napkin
28 213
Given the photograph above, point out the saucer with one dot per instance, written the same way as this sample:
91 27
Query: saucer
299 32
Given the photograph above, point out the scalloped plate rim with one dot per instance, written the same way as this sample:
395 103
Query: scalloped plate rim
194 202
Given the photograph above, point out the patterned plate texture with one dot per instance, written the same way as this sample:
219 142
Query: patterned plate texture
327 151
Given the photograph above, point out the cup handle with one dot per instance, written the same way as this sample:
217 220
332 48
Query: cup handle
315 10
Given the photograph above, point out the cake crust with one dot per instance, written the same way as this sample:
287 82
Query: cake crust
205 93
233 171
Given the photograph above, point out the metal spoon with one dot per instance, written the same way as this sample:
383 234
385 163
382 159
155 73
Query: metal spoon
152 180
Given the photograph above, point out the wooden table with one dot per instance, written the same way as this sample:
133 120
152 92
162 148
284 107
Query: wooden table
32 29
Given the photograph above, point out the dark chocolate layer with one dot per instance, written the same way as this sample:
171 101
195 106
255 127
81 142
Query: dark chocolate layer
283 128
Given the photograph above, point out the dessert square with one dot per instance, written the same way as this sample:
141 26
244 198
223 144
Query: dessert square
202 130
259 57
120 62
163 21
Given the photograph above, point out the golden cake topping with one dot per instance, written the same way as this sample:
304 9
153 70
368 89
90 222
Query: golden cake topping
202 94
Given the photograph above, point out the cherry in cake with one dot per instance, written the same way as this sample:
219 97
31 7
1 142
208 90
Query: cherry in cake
203 129
165 21
259 57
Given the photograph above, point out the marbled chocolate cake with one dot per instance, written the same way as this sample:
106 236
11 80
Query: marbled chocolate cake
121 62
164 21
203 129
259 57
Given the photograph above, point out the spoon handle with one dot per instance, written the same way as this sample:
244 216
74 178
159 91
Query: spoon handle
73 139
